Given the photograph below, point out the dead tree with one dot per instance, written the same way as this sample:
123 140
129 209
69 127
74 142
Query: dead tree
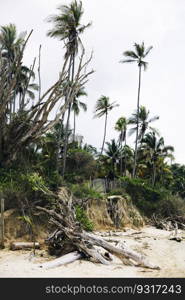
31 121
69 236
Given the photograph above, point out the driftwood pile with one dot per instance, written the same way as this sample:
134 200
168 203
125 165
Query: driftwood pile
71 242
169 223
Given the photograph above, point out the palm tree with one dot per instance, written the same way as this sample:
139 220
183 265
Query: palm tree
155 150
10 48
121 126
10 43
76 105
137 57
144 122
102 108
113 152
68 28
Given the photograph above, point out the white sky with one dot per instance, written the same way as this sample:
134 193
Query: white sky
117 25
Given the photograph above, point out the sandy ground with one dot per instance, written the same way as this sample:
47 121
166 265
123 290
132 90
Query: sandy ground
155 243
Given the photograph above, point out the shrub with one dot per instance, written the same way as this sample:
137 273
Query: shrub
83 191
83 219
143 195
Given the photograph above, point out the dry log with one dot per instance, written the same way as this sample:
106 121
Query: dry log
24 245
123 252
65 259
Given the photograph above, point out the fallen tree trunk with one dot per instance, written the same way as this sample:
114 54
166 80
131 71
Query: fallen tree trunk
24 246
70 234
65 259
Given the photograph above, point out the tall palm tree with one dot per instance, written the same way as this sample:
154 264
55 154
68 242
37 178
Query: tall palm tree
68 28
102 108
76 105
144 121
121 126
10 47
155 150
138 57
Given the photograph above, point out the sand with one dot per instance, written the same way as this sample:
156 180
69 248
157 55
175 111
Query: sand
154 243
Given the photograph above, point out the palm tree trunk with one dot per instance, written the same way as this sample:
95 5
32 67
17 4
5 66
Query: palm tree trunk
74 126
105 130
154 174
125 160
68 118
137 129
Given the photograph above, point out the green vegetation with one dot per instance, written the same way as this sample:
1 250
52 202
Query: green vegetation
83 219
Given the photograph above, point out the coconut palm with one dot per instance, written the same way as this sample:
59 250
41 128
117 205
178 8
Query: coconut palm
144 121
113 152
10 43
76 105
102 108
138 57
121 126
68 28
154 151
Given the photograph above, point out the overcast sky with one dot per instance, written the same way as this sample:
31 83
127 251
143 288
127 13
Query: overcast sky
117 25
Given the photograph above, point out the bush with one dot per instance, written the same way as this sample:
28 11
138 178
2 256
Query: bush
83 191
83 219
143 195
21 188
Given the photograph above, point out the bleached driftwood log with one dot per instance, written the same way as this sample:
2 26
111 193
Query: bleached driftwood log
65 259
24 245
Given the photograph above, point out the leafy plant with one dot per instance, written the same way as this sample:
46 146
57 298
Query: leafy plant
83 219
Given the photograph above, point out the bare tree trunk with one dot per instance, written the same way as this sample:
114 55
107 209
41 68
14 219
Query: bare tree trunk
68 118
2 224
137 129
74 126
105 129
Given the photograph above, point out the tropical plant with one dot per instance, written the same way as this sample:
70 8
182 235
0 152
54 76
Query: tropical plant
102 108
113 153
155 152
137 57
144 122
121 126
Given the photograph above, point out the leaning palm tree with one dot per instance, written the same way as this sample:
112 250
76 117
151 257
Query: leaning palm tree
137 57
76 105
144 120
102 108
68 28
121 126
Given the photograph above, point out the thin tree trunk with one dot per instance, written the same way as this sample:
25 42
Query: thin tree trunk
125 171
74 126
154 174
137 129
39 74
105 130
68 118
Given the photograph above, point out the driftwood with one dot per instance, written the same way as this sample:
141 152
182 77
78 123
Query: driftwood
69 234
24 245
65 259
168 223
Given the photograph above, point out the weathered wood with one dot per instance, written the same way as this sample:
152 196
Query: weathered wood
63 260
2 224
120 252
24 245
